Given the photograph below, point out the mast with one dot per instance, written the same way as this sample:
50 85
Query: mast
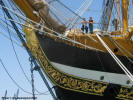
125 16
27 9
119 12
111 4
106 15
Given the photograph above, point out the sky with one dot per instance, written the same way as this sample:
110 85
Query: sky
9 59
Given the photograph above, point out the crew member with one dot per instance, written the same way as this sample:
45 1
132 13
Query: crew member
90 21
115 23
84 25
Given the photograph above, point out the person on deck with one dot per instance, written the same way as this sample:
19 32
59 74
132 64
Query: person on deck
90 21
84 25
115 23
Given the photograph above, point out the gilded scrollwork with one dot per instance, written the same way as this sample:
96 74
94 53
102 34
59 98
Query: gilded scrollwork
59 78
125 93
67 81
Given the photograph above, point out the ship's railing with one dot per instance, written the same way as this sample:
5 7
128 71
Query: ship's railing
96 28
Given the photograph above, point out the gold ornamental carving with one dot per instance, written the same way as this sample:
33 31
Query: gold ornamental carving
60 78
126 93
64 80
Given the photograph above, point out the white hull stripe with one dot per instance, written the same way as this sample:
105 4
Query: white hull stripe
113 78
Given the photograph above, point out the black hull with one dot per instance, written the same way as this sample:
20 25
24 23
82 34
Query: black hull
86 59
110 94
77 57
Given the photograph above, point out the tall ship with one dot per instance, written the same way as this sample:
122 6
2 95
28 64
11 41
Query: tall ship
96 65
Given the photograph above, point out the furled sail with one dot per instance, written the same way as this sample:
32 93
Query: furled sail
54 13
41 6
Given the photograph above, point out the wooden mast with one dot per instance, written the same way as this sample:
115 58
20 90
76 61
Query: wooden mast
27 9
119 13
109 16
125 16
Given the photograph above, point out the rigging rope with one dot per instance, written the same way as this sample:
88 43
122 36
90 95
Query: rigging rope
12 78
2 33
58 35
127 72
21 16
116 90
12 6
106 15
32 79
14 81
22 40
58 12
77 11
19 60
92 38
80 12
120 48
9 39
17 56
